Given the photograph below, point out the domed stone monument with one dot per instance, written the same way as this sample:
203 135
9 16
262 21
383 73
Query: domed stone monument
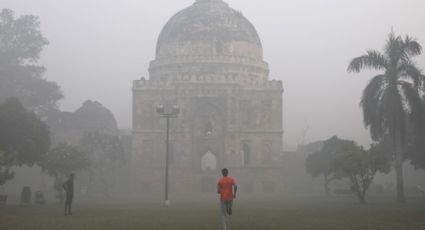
209 62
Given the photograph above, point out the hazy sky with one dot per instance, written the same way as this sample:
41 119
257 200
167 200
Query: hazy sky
97 47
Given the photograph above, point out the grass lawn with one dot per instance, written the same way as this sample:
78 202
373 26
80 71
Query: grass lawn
287 214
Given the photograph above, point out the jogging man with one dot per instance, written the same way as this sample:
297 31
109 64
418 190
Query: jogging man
68 186
227 188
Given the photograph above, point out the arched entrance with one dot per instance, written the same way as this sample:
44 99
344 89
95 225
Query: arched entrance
209 162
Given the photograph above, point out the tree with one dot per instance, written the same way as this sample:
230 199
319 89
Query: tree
416 128
21 43
103 148
62 160
5 172
360 166
321 163
390 97
106 153
318 164
24 138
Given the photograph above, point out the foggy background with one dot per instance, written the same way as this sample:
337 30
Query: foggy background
98 47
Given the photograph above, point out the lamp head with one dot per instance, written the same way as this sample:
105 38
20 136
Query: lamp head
176 109
160 109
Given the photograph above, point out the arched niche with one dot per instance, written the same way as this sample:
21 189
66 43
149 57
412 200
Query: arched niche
208 162
246 151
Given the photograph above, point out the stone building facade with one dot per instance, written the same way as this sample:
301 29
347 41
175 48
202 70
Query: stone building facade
209 62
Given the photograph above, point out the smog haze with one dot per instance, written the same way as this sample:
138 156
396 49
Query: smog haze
97 48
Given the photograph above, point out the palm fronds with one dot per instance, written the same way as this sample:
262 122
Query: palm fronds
409 71
371 60
411 47
372 105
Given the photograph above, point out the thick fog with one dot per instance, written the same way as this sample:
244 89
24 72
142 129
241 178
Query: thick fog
97 47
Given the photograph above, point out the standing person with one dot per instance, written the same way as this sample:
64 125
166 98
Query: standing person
227 188
68 186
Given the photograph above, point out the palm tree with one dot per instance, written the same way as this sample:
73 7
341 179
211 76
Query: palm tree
390 97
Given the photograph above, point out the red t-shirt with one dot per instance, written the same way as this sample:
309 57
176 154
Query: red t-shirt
225 186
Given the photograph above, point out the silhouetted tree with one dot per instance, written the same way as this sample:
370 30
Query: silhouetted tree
390 97
360 166
416 131
62 160
24 138
5 172
21 43
106 153
321 163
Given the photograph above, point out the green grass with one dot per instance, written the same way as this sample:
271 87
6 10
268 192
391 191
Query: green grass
286 215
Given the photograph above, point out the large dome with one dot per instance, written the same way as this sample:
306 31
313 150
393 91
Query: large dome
209 27
208 38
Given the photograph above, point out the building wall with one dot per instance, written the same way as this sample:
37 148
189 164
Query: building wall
209 61
238 126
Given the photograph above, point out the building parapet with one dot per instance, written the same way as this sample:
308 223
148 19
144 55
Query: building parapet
210 59
150 84
273 84
247 84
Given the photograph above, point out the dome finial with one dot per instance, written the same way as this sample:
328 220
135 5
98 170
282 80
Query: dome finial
209 1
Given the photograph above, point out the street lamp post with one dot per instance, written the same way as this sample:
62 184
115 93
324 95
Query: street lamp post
167 115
